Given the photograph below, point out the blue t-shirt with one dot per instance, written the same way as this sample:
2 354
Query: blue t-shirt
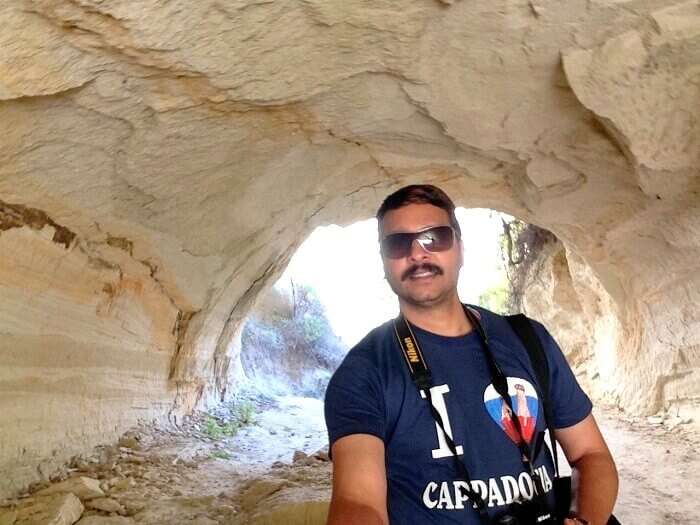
372 393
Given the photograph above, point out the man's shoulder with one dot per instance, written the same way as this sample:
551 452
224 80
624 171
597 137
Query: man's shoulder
368 361
498 326
373 345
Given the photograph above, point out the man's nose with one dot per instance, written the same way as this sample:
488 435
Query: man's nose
417 253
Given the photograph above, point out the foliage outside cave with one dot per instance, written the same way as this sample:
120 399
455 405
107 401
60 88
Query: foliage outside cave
521 246
293 349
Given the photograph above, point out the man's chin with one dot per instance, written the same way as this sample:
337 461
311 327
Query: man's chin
423 301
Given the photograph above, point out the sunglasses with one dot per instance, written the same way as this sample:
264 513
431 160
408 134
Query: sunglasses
436 239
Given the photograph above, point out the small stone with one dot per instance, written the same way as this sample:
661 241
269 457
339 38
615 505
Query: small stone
106 505
322 455
123 484
298 456
129 443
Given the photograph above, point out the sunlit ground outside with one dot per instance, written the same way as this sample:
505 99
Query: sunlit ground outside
343 266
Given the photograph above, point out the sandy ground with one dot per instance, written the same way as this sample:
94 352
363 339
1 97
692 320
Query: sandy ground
659 470
184 476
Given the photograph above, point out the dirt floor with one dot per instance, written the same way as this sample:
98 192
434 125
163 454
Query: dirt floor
272 471
659 466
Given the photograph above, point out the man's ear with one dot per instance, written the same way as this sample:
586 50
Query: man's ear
460 246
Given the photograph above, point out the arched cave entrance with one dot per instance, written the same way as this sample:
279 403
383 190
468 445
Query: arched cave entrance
159 167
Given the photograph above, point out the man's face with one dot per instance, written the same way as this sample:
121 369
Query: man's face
421 278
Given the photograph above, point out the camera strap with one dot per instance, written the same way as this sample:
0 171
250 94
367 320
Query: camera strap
523 329
420 374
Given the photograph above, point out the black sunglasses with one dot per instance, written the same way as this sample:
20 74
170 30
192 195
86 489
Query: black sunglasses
436 239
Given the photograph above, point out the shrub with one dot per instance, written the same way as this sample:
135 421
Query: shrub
216 430
287 351
245 414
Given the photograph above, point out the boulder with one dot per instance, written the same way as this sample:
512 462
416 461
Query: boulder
60 509
83 487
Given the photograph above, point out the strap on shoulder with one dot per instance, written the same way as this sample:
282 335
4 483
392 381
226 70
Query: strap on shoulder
522 327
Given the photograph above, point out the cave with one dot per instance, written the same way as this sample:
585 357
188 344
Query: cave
160 165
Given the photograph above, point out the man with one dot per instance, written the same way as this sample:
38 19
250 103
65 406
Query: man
392 463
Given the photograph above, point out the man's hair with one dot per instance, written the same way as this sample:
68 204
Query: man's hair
419 194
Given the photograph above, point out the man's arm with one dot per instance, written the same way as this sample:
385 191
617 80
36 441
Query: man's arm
359 482
594 473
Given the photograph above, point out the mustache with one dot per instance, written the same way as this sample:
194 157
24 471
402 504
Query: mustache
416 268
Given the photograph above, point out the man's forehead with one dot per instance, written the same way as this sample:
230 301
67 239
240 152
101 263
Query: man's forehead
412 218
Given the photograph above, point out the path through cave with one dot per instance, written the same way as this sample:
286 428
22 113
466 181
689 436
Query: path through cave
276 472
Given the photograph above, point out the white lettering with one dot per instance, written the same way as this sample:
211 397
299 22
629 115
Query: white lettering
496 492
437 394
479 487
445 500
546 480
461 493
527 489
495 496
430 487
510 488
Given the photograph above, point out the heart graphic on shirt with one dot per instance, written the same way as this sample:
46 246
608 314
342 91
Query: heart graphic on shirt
524 401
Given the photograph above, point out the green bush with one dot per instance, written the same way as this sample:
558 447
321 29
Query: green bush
242 415
216 430
289 349
220 454
245 414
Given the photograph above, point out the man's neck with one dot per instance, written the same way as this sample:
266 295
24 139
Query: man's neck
446 318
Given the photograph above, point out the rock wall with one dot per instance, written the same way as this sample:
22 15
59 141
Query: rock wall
172 156
86 342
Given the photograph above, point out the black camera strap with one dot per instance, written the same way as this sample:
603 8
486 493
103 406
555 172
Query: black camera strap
500 383
523 329
420 374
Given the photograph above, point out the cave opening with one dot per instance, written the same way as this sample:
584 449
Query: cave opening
334 292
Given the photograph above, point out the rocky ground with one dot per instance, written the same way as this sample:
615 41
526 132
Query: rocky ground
659 466
276 471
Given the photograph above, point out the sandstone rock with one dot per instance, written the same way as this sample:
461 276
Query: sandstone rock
84 488
60 509
8 517
260 490
123 484
106 505
129 443
293 513
104 520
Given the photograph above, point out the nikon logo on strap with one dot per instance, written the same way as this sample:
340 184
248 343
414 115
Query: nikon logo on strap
411 351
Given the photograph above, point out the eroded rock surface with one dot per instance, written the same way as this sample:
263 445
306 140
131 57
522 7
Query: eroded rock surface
160 163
